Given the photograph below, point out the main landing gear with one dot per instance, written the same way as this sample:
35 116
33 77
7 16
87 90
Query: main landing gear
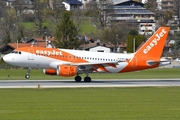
86 79
27 76
78 78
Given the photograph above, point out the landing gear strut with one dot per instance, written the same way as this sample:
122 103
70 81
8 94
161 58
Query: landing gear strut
87 78
27 76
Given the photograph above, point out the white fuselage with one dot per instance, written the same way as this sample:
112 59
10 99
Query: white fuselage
46 61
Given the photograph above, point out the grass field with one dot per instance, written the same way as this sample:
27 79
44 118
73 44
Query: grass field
85 26
149 103
143 103
37 74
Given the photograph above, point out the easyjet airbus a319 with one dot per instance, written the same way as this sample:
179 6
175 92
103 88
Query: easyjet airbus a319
65 62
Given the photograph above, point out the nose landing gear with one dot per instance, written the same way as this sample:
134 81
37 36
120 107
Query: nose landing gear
27 76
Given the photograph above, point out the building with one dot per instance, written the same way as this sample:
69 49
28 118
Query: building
67 4
118 1
72 4
131 12
36 42
103 47
100 49
167 5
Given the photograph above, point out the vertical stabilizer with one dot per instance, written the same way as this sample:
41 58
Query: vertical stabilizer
155 44
148 56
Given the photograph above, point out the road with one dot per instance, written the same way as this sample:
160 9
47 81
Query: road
94 83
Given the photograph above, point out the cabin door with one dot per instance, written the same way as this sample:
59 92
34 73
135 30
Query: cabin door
31 54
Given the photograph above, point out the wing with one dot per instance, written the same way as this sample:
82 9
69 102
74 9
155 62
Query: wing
88 66
96 66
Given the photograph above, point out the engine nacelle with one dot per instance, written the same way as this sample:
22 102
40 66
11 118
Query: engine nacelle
66 70
50 71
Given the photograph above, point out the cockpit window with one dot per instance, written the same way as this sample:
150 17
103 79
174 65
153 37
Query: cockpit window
16 52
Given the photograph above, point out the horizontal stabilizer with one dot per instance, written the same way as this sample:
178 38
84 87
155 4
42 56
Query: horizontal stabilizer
162 62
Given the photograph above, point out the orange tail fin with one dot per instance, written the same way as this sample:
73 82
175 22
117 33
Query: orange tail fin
150 52
155 44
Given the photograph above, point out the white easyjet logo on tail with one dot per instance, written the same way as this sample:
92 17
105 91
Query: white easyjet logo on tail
154 42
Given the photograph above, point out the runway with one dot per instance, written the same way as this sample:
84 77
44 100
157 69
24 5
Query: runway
94 83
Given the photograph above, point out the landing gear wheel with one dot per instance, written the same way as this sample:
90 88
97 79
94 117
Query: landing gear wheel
78 78
27 76
87 79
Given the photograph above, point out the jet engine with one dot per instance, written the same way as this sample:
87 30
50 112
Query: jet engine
62 70
50 71
66 70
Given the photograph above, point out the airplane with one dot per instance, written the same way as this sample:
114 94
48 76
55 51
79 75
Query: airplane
67 63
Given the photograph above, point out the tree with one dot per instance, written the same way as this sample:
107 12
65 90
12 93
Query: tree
93 11
8 24
177 9
2 14
78 18
161 16
129 47
115 34
133 32
132 38
7 38
175 48
38 15
151 5
55 13
66 32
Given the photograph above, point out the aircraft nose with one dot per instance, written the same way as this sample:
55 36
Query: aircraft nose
6 58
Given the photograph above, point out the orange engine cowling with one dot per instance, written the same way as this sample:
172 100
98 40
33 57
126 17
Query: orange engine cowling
66 70
50 71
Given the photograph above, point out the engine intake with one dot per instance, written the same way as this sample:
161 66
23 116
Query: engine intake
66 70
